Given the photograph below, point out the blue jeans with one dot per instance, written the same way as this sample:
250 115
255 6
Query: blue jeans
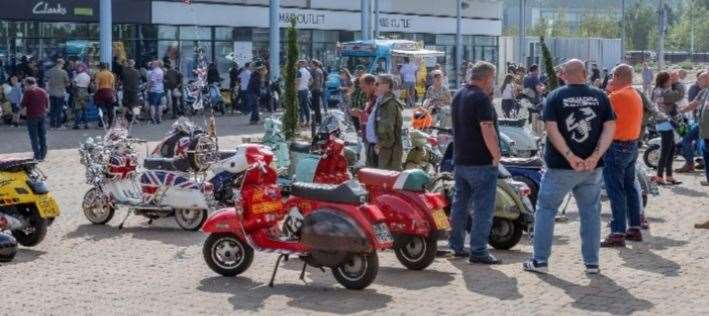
555 185
475 188
688 142
706 158
253 106
619 176
38 137
56 107
304 106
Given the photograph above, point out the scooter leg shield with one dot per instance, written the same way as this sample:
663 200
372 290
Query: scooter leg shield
329 230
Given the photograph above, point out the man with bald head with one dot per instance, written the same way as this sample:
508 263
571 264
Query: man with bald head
580 127
619 167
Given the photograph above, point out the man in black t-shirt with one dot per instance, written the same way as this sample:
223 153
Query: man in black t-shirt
580 125
476 156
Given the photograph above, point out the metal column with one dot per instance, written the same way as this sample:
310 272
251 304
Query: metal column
365 20
661 40
275 39
522 31
376 19
105 32
622 30
459 44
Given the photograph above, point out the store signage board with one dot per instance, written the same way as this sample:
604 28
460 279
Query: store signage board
178 13
124 11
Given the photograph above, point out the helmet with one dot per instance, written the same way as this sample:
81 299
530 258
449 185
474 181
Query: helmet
422 118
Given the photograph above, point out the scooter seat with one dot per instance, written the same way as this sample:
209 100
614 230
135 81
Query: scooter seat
533 162
300 147
167 164
224 154
349 192
16 164
378 177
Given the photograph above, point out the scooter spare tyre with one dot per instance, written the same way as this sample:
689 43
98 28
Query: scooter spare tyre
416 252
35 231
227 254
190 219
358 272
8 248
505 233
652 156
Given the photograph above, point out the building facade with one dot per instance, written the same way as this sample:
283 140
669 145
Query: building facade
172 30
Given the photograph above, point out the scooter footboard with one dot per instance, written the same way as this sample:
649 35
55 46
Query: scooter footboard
184 198
223 221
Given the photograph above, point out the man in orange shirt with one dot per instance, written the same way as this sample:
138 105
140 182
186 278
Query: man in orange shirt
105 94
619 160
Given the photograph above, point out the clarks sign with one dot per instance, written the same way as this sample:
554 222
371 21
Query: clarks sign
44 8
124 11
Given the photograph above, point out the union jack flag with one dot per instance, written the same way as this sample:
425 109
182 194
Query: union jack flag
152 180
121 167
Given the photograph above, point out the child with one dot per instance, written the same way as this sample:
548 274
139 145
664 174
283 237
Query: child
15 97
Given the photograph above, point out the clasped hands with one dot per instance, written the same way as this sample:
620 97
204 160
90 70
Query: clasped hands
579 164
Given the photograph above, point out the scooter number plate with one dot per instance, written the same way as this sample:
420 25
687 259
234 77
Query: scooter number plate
440 218
381 231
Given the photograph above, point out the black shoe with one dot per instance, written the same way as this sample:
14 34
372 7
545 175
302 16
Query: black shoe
488 259
461 254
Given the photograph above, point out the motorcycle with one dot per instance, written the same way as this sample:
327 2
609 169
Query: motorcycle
514 212
526 143
324 225
651 157
27 207
160 190
421 151
530 170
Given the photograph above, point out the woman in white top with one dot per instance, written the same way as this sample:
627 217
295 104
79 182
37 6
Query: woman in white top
509 105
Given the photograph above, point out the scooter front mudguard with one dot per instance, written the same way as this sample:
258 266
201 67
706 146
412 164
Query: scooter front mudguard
223 221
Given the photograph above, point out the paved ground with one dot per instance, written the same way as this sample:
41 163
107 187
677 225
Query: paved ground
158 269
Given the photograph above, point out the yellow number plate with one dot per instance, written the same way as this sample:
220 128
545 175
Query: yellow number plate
47 206
441 219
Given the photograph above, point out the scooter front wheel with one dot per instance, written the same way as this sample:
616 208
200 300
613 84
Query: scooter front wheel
358 272
227 254
96 209
190 219
416 252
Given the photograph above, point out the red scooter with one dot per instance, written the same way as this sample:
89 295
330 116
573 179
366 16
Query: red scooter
415 217
326 226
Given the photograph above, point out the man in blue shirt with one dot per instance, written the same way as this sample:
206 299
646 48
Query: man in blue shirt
477 156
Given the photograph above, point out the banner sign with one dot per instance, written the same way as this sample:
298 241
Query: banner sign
124 11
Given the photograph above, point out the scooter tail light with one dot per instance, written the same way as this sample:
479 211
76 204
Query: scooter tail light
436 200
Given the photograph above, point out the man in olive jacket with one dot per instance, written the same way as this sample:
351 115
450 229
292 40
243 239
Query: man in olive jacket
387 121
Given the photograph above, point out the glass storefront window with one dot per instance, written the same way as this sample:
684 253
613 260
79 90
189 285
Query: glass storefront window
188 56
167 32
242 34
169 52
223 33
195 33
485 40
22 29
222 49
63 30
124 31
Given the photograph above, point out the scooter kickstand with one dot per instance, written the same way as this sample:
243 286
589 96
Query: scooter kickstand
302 272
120 226
275 269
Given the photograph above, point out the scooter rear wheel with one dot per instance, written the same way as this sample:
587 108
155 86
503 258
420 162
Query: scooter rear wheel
227 254
358 272
505 233
416 252
190 220
35 231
